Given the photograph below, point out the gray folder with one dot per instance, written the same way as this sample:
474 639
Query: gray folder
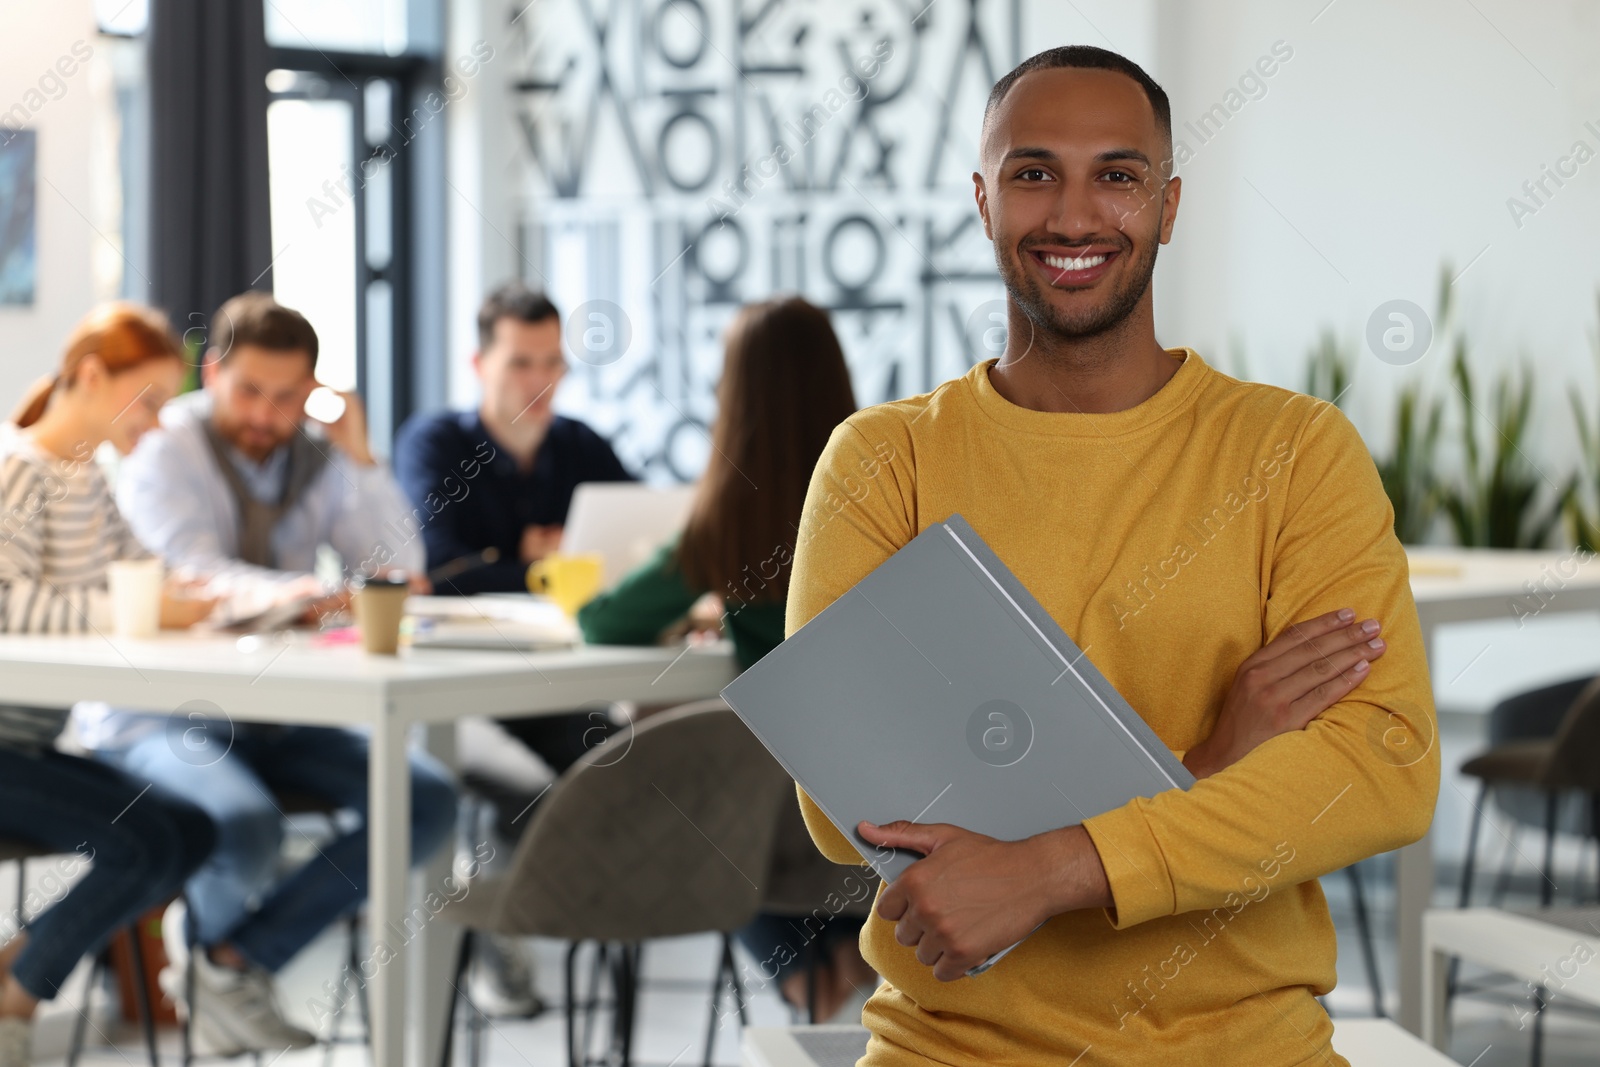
939 690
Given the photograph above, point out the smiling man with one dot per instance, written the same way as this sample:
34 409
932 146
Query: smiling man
1204 540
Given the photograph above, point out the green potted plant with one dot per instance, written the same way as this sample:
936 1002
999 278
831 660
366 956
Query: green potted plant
1585 489
1495 503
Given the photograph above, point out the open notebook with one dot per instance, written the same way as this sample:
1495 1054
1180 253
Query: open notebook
939 690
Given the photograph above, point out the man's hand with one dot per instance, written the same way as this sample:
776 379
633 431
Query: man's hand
348 433
972 896
1285 684
539 542
325 606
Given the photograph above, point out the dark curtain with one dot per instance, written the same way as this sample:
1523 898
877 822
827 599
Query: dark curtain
210 234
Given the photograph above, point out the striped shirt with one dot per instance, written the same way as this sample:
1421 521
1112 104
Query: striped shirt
59 529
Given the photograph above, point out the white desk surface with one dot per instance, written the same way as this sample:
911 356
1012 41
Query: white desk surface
1364 1042
302 680
425 685
1440 576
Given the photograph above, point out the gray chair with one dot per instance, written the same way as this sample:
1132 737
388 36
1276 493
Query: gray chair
1522 733
1565 762
20 852
665 830
804 884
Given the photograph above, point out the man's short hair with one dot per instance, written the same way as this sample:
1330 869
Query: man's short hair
512 300
1088 57
254 318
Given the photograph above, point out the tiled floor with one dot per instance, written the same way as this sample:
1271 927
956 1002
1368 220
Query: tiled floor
674 1006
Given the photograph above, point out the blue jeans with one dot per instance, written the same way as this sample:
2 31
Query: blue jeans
237 896
139 850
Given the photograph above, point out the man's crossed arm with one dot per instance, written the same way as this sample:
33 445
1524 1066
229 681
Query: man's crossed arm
972 896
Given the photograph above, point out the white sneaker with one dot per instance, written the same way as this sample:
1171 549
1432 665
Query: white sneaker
172 982
16 1042
234 1011
173 940
501 983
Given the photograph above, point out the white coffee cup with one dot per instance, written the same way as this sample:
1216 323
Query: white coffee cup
135 596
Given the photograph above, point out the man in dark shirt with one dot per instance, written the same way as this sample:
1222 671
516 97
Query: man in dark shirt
502 476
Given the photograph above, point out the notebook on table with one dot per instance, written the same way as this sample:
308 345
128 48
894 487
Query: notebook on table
939 690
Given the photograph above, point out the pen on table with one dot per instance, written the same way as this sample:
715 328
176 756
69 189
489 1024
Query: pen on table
460 565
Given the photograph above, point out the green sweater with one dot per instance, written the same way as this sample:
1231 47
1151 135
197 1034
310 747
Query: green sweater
656 594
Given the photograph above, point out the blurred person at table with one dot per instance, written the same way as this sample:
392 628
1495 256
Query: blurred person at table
61 531
784 388
233 487
501 477
517 460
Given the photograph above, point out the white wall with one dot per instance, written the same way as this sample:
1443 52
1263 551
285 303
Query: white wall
1387 144
35 37
1391 141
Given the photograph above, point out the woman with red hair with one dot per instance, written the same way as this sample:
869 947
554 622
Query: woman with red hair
59 531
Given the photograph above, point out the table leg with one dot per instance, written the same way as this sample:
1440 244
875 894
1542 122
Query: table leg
388 862
432 952
1413 878
1413 894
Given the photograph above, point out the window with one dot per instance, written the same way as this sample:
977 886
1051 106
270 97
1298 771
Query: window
343 152
373 26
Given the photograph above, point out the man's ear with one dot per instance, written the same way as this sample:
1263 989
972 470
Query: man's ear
982 196
208 367
1169 207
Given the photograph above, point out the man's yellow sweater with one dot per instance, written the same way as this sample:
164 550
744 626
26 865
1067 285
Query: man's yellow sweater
1170 541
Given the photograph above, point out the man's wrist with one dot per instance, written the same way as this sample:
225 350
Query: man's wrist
1075 877
1198 761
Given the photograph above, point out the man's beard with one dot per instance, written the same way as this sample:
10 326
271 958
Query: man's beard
1027 292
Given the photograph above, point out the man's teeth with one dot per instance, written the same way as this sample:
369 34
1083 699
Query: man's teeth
1080 263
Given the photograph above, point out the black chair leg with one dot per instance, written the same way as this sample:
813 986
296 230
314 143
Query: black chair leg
1465 897
625 977
1547 888
591 1002
711 1023
353 929
191 938
22 892
141 995
81 1024
477 1023
727 979
733 978
1536 1053
571 1001
463 960
1368 950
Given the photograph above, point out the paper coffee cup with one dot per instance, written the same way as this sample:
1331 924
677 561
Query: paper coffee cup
135 596
380 605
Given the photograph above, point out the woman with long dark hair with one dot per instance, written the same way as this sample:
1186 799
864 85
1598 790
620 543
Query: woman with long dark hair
784 388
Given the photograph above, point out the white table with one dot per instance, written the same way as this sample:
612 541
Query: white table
1468 585
303 681
1530 947
1364 1042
